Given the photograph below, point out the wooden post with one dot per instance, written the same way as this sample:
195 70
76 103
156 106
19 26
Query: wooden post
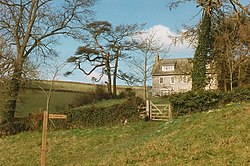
47 116
44 138
170 115
150 109
147 107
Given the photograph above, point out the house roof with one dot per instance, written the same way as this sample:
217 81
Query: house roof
181 66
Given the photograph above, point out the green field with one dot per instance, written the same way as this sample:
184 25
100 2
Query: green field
32 98
80 87
35 100
219 137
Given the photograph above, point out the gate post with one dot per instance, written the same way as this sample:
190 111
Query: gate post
148 108
170 115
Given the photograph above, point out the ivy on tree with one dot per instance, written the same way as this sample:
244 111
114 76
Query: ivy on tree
202 53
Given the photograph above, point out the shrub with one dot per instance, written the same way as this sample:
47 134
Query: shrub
91 96
198 101
240 94
82 99
101 93
191 102
93 116
127 93
31 122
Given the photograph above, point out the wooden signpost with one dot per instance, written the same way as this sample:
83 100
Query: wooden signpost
47 116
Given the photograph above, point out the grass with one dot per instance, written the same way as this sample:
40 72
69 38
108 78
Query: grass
35 100
220 137
107 103
80 87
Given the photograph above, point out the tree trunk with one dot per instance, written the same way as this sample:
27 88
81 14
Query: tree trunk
231 78
13 92
231 70
109 77
224 77
115 73
231 81
145 78
239 75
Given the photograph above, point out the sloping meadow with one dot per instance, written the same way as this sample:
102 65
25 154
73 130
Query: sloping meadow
218 137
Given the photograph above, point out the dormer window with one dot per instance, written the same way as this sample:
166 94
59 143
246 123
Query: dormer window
168 68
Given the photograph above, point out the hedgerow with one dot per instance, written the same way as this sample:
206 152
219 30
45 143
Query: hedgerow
198 101
94 116
80 117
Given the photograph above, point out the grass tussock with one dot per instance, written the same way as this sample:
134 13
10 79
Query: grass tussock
218 137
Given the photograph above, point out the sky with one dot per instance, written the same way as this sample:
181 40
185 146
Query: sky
157 16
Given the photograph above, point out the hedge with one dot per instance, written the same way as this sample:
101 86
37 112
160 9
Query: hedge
93 116
198 101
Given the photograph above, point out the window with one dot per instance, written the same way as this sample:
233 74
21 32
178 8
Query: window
168 68
161 80
172 80
184 79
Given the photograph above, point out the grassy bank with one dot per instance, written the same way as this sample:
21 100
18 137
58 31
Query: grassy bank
219 137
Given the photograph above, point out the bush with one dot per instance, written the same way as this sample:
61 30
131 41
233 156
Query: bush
127 93
191 102
31 122
240 94
91 96
93 116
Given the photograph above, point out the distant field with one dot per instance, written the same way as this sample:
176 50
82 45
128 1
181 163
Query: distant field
35 100
80 87
32 98
219 137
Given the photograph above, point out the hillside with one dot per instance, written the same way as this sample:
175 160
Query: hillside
77 86
219 137
32 98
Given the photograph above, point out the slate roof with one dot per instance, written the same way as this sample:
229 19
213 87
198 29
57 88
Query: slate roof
181 66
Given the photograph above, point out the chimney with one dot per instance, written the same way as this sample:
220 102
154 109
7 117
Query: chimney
156 57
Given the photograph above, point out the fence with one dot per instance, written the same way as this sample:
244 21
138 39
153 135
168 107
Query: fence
156 112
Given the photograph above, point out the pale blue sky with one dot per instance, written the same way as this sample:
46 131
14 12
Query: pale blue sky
152 12
156 15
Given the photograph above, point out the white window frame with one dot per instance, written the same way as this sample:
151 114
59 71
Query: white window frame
167 68
184 77
170 80
160 80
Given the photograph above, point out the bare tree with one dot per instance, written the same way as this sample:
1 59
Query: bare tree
141 64
231 48
32 27
229 41
6 66
6 59
54 68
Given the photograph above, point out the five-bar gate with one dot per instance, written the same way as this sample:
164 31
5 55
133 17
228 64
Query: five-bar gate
158 112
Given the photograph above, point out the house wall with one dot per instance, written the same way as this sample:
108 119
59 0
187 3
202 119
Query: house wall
159 89
213 84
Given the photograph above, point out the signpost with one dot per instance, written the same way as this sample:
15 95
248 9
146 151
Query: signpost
47 116
57 116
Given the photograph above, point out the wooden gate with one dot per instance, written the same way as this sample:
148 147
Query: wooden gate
158 112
